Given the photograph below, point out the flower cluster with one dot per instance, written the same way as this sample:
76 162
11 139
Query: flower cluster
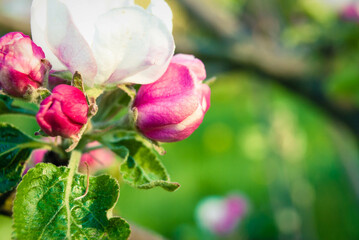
109 43
109 89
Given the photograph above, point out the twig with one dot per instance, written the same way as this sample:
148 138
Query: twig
268 61
213 16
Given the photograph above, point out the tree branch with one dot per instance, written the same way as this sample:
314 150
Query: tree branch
265 59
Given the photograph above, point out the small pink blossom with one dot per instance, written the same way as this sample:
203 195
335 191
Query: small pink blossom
64 112
22 64
173 107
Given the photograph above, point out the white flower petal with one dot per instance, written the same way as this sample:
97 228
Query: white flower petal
67 43
85 13
38 29
131 46
160 9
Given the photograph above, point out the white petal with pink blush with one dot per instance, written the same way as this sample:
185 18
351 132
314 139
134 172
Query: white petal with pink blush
108 41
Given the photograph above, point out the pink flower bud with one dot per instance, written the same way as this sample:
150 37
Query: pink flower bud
22 64
171 108
64 112
97 159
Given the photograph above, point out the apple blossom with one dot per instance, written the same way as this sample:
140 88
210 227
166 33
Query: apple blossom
22 64
64 112
171 108
107 41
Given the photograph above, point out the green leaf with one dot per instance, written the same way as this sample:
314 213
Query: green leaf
141 168
42 210
7 107
110 103
5 104
15 148
117 229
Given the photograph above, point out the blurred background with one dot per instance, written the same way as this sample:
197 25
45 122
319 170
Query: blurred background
282 132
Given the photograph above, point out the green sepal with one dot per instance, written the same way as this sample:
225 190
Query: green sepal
40 206
140 167
77 82
42 93
15 149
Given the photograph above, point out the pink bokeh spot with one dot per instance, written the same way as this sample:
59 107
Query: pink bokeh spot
350 13
97 159
221 215
37 156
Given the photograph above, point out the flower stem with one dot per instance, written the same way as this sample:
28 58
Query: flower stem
73 165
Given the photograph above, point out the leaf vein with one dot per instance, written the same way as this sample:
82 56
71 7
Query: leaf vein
51 220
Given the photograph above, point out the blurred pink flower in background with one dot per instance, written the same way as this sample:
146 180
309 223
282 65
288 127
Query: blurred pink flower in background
97 159
221 215
37 156
350 12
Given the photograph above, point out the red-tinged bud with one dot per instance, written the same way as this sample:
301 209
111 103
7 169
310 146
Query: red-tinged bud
22 65
171 108
64 112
